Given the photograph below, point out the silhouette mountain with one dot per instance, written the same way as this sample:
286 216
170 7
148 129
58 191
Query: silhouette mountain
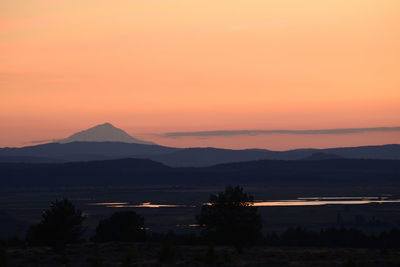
181 157
106 142
199 157
81 151
103 133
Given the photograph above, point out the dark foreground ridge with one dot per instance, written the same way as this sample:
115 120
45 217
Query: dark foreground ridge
148 254
341 172
122 239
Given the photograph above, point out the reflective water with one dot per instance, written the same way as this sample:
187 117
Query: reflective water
298 202
108 203
141 205
302 201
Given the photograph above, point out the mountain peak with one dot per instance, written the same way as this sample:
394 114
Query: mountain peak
106 124
105 132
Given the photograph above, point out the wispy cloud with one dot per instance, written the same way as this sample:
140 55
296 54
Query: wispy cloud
266 132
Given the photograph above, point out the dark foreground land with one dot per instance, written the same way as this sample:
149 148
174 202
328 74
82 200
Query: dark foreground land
148 254
20 208
27 189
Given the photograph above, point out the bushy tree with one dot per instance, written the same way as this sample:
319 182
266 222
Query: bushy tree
60 225
231 218
121 226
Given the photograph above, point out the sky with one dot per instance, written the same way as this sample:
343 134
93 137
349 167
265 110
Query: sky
153 67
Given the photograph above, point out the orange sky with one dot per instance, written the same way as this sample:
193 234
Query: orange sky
155 66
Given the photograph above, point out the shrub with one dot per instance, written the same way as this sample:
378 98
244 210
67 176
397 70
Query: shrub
231 218
121 226
60 225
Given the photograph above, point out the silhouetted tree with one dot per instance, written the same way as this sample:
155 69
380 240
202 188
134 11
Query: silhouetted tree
61 224
121 226
231 218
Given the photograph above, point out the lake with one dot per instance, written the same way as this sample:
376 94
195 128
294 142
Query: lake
301 201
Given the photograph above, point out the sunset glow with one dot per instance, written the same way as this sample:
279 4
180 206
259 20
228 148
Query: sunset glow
156 66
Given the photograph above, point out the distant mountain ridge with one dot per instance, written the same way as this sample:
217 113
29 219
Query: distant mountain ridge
81 151
103 133
181 157
107 142
211 156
